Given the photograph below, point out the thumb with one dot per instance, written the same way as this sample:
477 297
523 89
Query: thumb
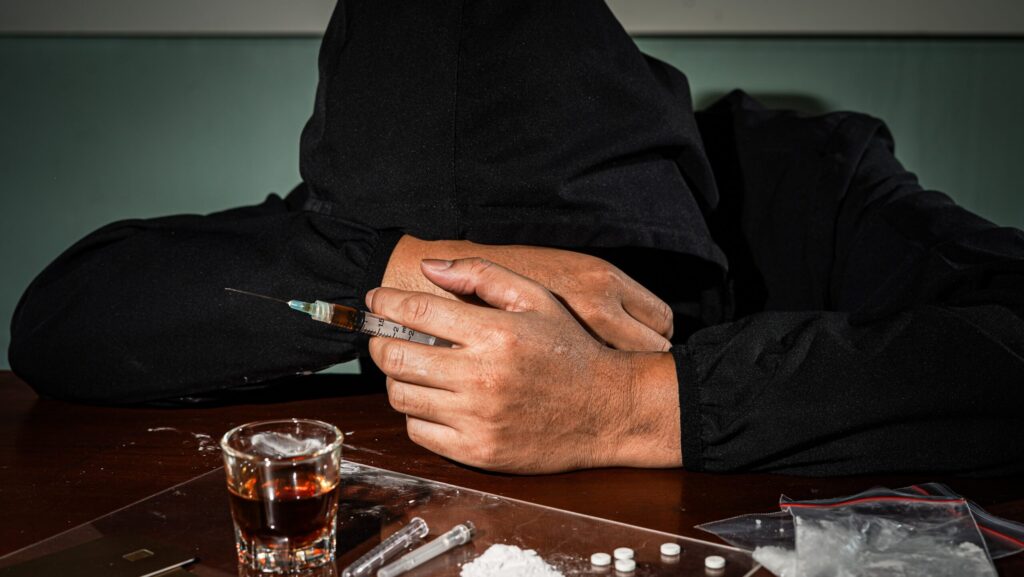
492 283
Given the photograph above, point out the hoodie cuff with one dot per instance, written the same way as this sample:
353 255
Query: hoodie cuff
689 410
386 241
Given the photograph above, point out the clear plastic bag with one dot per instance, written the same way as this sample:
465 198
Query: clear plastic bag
888 535
919 530
1002 536
749 532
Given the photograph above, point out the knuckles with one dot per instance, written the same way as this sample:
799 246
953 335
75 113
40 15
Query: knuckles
416 309
507 339
391 357
401 401
602 277
397 397
487 455
667 319
483 448
500 341
478 265
478 381
415 434
601 314
521 301
476 268
488 413
487 449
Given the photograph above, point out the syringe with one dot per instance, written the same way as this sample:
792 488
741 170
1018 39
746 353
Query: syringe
388 548
458 535
355 320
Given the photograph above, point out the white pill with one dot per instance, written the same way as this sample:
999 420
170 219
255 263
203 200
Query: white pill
625 565
714 562
670 549
601 559
623 553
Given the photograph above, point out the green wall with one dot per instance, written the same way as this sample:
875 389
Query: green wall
99 129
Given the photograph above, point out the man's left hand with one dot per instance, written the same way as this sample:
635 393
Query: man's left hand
526 389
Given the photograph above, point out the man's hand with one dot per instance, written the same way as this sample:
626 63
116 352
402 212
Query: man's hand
526 389
612 306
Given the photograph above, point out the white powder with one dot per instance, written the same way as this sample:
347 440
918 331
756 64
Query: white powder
508 561
779 561
838 551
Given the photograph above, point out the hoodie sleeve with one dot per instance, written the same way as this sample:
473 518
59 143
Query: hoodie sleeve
137 310
891 337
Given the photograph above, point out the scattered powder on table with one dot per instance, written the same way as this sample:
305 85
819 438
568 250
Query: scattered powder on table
508 561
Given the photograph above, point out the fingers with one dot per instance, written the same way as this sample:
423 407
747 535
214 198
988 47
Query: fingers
427 403
440 439
458 445
644 306
452 320
428 421
494 284
626 333
438 367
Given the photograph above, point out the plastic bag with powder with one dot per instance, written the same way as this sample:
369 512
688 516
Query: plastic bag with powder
920 530
888 535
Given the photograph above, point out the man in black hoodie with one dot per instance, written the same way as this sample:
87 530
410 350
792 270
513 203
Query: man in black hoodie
737 289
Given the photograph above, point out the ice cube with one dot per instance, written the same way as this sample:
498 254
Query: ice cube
273 444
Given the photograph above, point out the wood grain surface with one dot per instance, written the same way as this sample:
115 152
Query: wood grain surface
63 464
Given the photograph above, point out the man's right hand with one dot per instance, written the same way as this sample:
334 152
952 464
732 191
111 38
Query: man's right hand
612 306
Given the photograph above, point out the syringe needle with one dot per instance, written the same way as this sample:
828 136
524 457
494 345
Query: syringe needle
352 319
255 295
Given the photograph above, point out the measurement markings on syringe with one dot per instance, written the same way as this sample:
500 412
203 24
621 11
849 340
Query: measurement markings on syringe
354 320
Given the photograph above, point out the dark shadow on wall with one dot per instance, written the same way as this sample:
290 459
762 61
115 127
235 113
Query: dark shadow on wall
802 104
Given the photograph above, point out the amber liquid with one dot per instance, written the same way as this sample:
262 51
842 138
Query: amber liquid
346 317
288 513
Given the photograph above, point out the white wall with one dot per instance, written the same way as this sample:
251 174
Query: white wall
731 17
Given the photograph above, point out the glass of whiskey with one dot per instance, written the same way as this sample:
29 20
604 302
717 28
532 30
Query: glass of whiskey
283 488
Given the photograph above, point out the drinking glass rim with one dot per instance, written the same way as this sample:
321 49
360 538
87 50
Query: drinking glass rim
318 453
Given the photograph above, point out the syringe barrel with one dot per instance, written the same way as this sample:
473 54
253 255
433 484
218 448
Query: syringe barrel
388 548
356 320
381 327
458 535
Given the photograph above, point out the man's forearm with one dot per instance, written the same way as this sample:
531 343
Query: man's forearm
403 270
650 425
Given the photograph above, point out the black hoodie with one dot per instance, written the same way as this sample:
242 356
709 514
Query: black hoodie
836 318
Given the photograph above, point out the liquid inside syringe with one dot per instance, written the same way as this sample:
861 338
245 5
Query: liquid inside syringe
355 320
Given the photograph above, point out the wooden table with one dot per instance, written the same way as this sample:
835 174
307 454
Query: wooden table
62 465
